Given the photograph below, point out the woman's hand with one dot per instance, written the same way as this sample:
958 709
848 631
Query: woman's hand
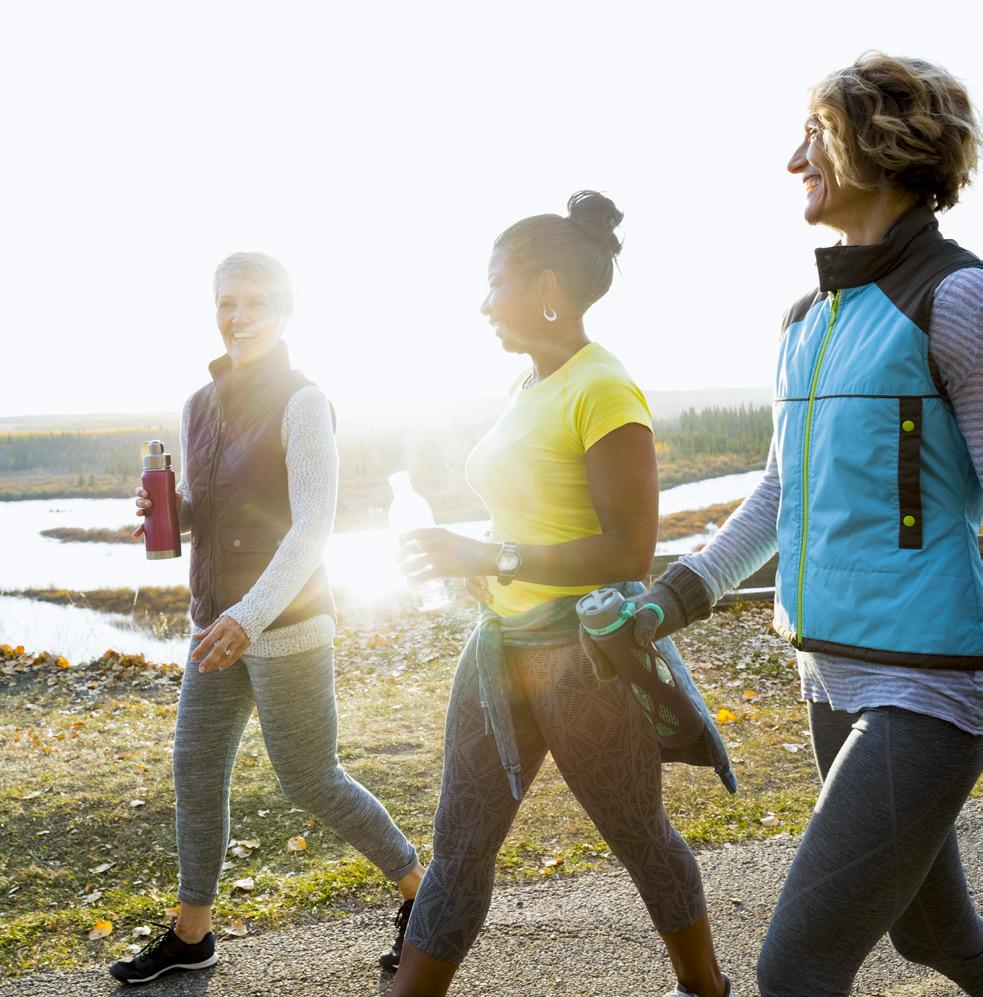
439 553
144 505
220 644
477 586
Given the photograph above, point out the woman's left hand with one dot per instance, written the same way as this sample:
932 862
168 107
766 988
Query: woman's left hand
439 553
220 644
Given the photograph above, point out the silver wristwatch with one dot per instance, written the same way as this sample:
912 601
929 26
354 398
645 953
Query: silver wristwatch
507 563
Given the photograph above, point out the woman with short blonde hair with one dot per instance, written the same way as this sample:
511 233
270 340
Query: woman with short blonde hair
258 489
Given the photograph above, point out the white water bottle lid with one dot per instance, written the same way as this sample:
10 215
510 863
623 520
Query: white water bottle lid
600 608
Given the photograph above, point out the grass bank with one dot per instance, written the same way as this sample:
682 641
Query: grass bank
363 496
86 822
16 487
160 610
73 534
671 527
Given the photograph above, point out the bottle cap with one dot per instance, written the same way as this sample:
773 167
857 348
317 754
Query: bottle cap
155 459
600 608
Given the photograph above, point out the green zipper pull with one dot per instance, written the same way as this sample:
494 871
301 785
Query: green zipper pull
833 309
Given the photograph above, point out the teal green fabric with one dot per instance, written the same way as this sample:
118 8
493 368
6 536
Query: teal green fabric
555 624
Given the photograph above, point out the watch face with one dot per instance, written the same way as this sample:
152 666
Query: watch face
508 560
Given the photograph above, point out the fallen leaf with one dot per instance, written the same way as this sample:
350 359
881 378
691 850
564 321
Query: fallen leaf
736 900
91 898
173 911
237 929
138 803
553 863
65 663
262 813
143 931
793 748
769 820
101 929
245 885
104 867
726 716
32 796
296 844
750 694
243 849
133 948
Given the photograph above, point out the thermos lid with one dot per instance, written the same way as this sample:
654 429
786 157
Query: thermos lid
155 459
600 608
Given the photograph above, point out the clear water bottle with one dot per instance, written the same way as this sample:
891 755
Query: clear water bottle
411 511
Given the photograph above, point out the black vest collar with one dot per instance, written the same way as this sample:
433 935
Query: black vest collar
853 266
252 376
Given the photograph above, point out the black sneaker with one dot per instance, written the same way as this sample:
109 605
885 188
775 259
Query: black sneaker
162 954
390 960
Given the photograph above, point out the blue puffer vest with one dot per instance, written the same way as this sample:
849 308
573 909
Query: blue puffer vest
880 502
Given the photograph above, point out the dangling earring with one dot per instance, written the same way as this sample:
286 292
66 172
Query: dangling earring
549 314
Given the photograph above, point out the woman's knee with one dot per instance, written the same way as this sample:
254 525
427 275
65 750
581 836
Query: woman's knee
332 790
192 777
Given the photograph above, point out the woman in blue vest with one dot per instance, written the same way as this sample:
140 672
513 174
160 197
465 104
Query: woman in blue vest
873 499
259 481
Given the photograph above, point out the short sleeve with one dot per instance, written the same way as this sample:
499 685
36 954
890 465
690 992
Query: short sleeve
606 405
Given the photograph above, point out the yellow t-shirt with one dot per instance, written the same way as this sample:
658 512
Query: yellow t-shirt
530 471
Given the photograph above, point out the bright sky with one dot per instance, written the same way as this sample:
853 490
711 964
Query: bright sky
378 149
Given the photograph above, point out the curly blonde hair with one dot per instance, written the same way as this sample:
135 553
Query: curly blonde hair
899 122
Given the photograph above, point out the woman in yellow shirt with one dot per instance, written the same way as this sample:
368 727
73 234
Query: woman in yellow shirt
569 476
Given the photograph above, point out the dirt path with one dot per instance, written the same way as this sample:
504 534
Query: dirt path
586 936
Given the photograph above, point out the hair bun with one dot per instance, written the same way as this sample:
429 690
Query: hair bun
596 216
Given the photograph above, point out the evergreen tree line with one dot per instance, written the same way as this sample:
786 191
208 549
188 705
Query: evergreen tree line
368 452
744 430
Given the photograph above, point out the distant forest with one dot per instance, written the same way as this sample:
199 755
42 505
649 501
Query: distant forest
695 445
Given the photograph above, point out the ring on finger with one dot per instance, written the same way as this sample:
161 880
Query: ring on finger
228 651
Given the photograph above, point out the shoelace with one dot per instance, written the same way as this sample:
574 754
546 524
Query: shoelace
156 942
402 917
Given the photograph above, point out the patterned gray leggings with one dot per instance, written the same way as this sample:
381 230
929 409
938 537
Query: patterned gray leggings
609 759
295 698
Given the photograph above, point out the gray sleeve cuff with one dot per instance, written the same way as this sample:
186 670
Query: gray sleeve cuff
683 596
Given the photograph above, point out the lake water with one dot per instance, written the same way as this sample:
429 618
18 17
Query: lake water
361 561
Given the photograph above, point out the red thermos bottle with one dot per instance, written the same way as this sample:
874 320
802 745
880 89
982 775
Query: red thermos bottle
161 531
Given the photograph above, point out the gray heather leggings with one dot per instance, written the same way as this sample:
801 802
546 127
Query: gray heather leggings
609 759
295 697
880 855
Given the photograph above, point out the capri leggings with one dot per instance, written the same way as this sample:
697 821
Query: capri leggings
295 697
609 759
880 855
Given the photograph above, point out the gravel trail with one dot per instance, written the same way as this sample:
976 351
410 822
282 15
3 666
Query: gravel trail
586 936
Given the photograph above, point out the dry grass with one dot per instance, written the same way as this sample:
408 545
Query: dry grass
685 524
75 753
